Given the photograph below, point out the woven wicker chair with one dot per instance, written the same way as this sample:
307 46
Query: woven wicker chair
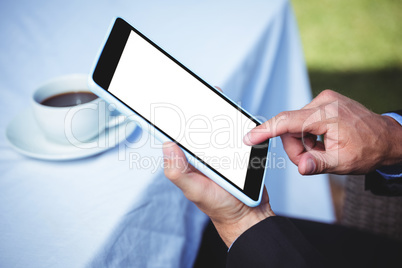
377 214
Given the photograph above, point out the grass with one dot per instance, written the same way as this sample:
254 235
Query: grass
355 48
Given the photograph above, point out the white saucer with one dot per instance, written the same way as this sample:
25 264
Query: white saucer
24 135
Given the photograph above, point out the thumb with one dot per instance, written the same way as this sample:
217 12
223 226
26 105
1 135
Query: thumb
176 166
182 174
175 162
314 162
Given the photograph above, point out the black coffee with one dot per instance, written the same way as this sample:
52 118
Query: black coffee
69 99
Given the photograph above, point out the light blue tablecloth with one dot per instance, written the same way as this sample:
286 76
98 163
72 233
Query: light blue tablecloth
110 209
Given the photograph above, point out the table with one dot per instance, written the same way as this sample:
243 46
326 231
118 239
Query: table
116 208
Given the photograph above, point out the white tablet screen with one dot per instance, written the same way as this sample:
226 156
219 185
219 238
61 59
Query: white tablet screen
183 108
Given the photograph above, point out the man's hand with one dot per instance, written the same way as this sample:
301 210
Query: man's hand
230 216
356 140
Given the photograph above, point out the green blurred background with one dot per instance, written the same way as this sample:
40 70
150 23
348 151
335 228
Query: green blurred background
355 48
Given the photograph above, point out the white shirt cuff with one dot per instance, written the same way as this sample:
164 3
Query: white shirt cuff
396 172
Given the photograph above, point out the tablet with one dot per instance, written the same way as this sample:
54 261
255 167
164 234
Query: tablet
174 104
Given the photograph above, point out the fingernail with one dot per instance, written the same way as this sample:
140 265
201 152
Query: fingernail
310 168
168 149
247 139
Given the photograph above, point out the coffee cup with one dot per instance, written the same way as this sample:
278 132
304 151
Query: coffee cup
67 112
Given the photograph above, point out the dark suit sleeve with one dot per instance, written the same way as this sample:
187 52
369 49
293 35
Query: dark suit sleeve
273 242
381 186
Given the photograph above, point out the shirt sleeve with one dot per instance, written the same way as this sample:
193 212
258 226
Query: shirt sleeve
392 172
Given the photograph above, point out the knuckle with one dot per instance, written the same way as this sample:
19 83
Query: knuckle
323 162
323 165
277 122
328 94
283 115
172 174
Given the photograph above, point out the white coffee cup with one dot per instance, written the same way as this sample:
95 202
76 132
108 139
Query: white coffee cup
74 124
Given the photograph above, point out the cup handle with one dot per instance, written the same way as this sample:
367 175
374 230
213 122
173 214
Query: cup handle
115 121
